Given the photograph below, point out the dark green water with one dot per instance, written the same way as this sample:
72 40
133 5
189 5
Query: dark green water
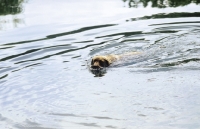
45 52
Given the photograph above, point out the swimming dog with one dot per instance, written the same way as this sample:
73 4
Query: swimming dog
99 61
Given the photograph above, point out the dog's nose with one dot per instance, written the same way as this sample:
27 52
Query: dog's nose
95 67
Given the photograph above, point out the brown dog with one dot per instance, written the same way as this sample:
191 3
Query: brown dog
105 61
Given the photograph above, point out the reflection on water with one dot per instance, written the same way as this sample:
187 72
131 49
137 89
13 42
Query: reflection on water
170 15
9 22
98 72
160 3
45 76
8 14
10 7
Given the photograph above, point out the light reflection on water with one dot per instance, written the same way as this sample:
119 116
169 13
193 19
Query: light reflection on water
45 81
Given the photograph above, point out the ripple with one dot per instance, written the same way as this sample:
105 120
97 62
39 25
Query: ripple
45 83
169 15
60 34
79 30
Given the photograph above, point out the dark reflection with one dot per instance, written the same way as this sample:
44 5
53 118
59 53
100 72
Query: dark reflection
160 3
79 30
10 6
169 15
4 76
89 124
98 72
179 62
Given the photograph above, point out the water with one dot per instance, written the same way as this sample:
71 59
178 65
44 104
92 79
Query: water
45 53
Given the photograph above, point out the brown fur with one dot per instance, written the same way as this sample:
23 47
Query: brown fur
107 60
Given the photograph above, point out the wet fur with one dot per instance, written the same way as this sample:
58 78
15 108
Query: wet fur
107 60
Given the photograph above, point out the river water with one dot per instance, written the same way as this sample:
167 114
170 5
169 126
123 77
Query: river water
45 53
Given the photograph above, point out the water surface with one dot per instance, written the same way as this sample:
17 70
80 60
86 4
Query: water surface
45 53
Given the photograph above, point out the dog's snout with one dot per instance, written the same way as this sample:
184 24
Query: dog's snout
95 67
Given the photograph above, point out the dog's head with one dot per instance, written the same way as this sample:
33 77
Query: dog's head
99 62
